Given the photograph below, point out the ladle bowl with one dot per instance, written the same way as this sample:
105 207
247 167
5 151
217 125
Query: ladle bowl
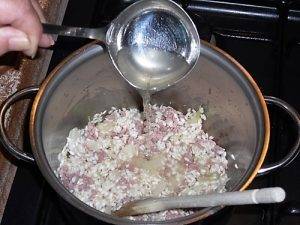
152 43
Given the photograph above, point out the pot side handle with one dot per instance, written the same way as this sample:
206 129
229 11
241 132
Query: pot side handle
293 153
10 148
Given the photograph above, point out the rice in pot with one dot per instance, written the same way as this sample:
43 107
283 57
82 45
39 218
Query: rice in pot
119 157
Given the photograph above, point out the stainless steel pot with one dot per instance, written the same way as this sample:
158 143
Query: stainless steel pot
87 82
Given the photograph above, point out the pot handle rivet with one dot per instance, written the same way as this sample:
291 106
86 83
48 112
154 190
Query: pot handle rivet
7 144
293 153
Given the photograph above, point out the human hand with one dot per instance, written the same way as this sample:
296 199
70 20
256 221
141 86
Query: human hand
20 27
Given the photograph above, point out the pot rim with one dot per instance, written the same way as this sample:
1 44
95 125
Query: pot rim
74 201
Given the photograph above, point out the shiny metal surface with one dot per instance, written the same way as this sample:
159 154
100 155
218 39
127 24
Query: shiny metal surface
91 33
294 150
88 83
10 147
153 43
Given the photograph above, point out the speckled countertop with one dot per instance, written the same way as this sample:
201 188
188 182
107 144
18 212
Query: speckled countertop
17 72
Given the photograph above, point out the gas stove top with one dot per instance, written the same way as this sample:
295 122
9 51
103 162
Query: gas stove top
262 36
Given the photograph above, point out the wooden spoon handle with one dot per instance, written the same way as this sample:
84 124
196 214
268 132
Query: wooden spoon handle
256 196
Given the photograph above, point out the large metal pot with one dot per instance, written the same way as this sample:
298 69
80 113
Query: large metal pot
87 82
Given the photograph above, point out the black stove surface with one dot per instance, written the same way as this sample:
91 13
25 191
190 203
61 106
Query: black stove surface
263 36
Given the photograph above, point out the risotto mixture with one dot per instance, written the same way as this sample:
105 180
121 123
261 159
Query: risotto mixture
119 157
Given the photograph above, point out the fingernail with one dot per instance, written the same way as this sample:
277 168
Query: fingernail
34 52
18 43
50 39
31 52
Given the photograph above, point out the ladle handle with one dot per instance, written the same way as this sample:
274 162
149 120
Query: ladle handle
11 148
82 32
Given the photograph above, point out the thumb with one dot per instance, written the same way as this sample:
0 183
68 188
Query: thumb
12 39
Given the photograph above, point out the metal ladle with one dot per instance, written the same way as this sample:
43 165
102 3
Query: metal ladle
152 43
